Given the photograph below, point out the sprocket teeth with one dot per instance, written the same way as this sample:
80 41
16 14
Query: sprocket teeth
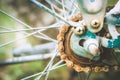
64 29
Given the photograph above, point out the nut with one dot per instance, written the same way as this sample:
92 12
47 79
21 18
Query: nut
72 64
78 30
95 23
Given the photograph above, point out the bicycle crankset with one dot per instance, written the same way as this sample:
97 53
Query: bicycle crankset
90 46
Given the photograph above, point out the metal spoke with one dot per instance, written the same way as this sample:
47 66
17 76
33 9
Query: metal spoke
89 73
71 10
5 44
79 76
19 30
47 37
24 59
54 66
54 11
58 63
75 4
17 20
44 73
5 28
63 8
61 4
30 34
50 11
51 61
71 7
53 7
48 72
88 76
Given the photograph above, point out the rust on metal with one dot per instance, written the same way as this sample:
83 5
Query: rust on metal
73 61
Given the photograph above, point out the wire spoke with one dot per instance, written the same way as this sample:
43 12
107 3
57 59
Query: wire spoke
58 63
61 4
28 35
70 10
50 11
17 20
5 44
63 8
24 59
47 37
30 28
19 30
41 72
79 76
75 4
48 72
51 61
54 66
88 76
5 28
53 7
61 13
33 34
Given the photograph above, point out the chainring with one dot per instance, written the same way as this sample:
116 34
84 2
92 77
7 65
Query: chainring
78 63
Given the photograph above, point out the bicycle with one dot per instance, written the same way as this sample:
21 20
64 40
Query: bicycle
62 11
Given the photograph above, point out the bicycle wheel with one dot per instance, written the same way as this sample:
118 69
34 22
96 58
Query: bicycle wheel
63 11
23 31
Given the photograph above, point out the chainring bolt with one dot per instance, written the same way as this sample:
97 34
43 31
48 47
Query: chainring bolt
95 23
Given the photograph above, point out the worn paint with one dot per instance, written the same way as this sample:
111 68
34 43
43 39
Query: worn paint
112 43
118 21
80 50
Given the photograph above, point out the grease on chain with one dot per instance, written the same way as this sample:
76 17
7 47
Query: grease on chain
61 38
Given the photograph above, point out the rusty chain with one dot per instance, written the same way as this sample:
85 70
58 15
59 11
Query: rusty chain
71 63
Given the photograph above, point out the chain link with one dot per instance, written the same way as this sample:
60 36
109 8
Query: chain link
71 64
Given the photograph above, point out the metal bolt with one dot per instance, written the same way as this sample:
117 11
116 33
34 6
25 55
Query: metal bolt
78 30
95 23
94 50
92 45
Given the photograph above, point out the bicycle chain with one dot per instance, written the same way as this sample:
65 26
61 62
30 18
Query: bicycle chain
70 60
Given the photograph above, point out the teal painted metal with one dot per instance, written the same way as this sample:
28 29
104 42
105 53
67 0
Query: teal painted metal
118 21
78 49
90 35
91 9
90 12
112 43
